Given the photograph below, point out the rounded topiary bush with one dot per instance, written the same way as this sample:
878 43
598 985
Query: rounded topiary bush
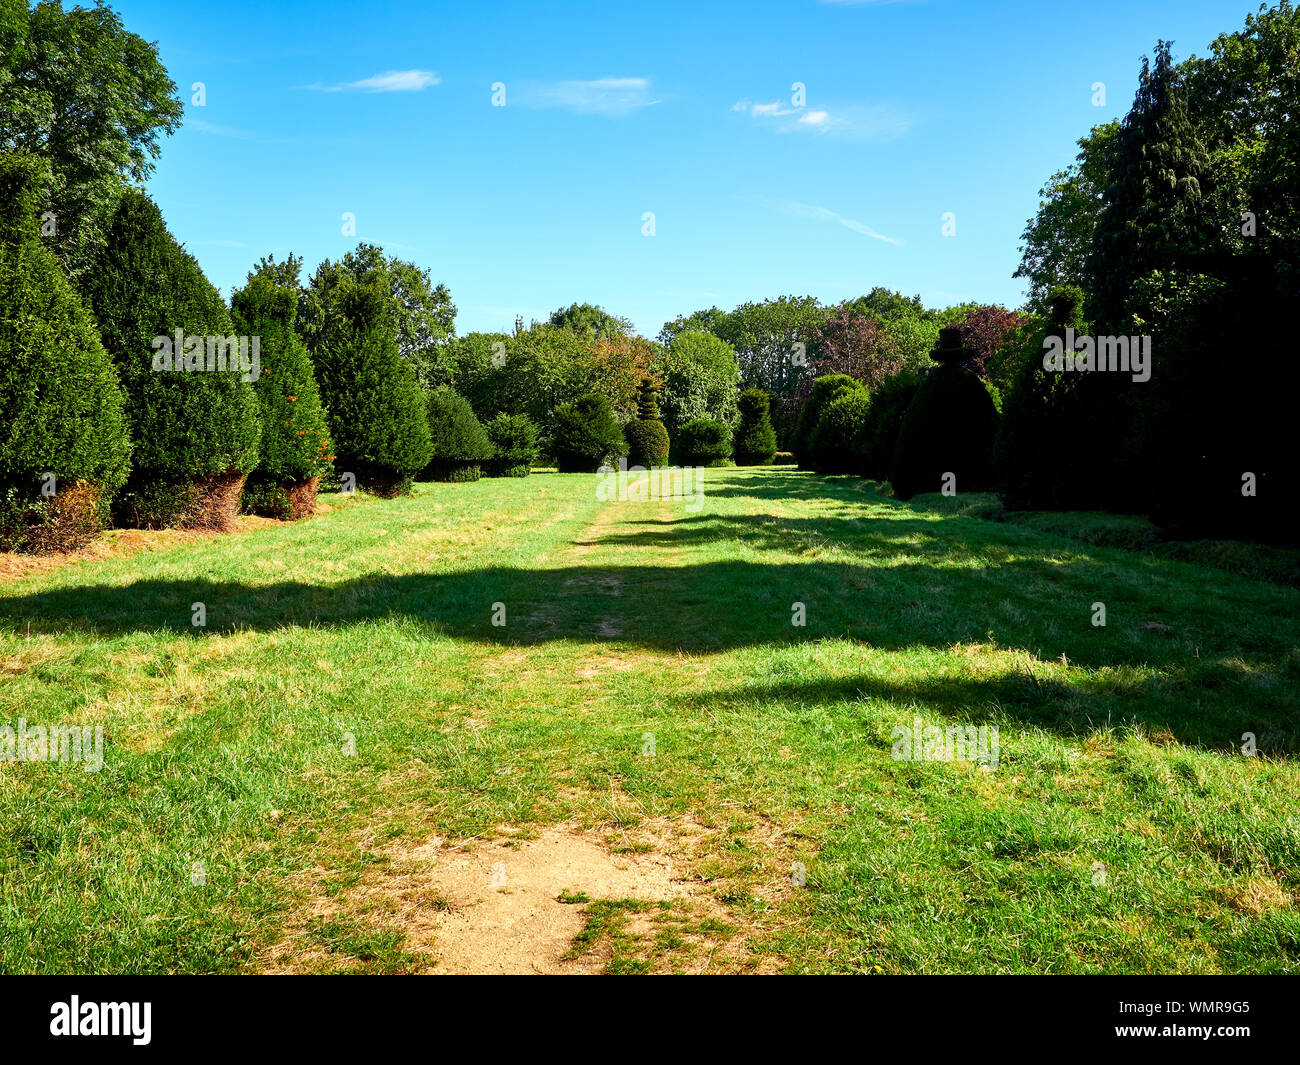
878 435
704 442
193 417
378 417
837 429
460 443
949 428
754 443
64 448
587 434
647 439
514 445
295 437
824 390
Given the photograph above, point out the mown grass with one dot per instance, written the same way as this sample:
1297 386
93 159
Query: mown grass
1123 830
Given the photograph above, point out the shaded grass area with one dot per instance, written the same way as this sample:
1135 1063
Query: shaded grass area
1121 831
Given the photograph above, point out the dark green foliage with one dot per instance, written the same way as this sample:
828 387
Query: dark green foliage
61 406
266 497
824 390
514 445
754 443
1042 457
948 428
587 434
377 413
460 443
186 424
647 439
703 442
700 376
878 435
295 438
833 439
590 322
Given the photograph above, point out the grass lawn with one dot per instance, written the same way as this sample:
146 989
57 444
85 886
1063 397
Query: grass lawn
649 702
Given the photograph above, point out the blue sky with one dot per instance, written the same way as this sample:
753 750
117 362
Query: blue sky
612 110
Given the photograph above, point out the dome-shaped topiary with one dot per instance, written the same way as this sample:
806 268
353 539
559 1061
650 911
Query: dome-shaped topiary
824 390
587 434
754 443
295 438
64 450
460 443
378 417
514 445
191 411
838 427
704 442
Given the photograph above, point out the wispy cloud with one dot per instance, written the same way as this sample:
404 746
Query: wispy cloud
219 131
388 81
603 96
859 121
825 214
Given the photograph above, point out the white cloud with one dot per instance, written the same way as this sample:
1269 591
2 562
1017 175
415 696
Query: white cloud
825 214
603 96
860 121
389 81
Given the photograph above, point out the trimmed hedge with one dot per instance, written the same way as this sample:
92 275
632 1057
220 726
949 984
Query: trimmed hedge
948 428
295 437
377 411
587 435
515 450
754 443
61 405
824 390
832 443
195 426
878 435
704 442
460 443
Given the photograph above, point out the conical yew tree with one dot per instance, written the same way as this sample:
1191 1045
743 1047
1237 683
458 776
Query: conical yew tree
63 441
295 438
377 414
190 404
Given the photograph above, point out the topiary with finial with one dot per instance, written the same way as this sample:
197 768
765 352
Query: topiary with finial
647 439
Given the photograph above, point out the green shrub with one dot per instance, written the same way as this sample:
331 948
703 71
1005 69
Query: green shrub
824 390
647 439
377 412
460 444
704 442
515 450
700 376
832 443
587 434
61 406
295 437
754 443
195 429
878 435
948 428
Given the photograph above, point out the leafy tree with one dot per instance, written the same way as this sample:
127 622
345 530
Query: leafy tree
295 437
91 99
587 434
647 439
286 274
377 412
856 345
60 402
986 331
514 445
616 367
196 430
591 322
700 378
703 442
911 327
459 442
755 439
1058 239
